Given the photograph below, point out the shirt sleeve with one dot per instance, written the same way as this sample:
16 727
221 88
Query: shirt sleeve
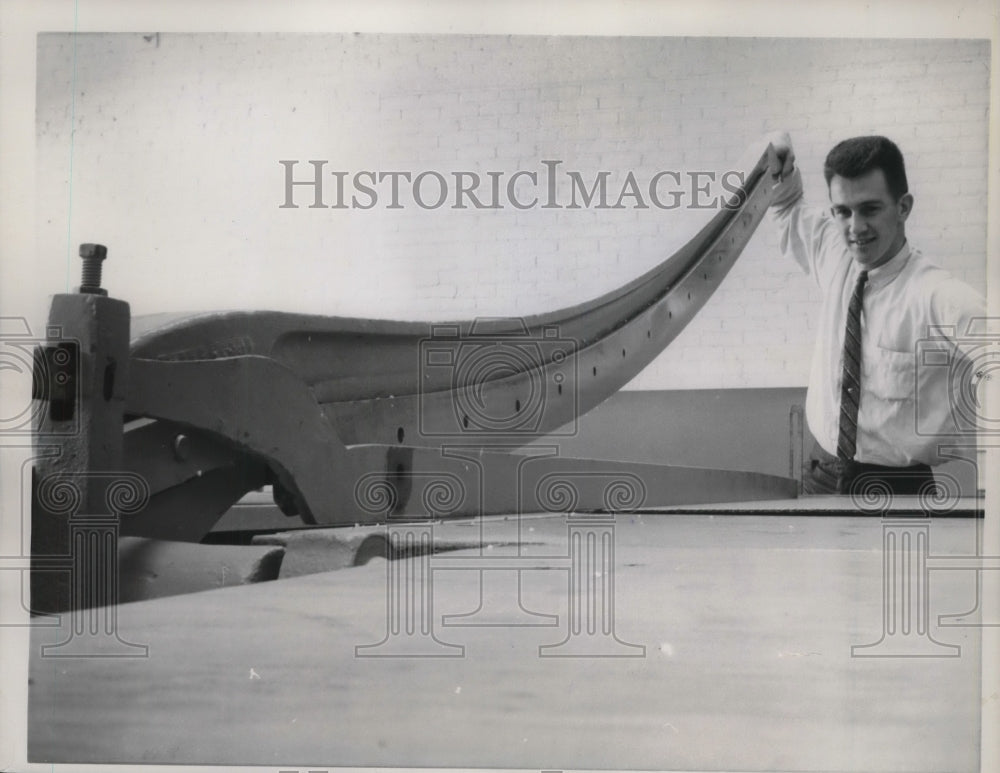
805 234
954 308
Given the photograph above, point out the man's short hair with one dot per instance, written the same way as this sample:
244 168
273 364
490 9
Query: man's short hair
858 156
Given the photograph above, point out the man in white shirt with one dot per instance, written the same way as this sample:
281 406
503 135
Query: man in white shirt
877 413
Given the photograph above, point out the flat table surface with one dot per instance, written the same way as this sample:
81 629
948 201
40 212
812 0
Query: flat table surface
836 505
746 625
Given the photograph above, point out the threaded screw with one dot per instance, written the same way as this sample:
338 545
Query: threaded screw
93 255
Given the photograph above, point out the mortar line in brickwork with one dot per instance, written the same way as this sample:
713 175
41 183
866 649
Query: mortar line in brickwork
72 134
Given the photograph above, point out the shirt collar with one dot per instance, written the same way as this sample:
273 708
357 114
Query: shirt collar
881 276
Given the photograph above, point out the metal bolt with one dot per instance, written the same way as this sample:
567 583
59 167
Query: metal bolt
182 448
93 255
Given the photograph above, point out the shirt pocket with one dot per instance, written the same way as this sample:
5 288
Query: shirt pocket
889 374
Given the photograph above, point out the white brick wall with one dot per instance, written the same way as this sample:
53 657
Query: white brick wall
176 141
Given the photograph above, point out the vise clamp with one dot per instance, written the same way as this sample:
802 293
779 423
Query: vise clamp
359 420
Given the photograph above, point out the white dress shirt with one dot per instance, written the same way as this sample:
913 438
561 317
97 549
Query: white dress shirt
911 307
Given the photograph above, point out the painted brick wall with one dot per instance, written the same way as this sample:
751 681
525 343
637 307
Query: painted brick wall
167 147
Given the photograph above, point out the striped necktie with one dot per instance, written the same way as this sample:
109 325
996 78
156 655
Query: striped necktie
850 382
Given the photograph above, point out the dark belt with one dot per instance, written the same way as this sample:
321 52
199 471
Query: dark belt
826 474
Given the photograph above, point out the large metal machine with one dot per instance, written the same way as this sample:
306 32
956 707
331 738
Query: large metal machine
164 422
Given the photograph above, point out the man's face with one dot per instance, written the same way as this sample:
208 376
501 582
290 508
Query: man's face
870 218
